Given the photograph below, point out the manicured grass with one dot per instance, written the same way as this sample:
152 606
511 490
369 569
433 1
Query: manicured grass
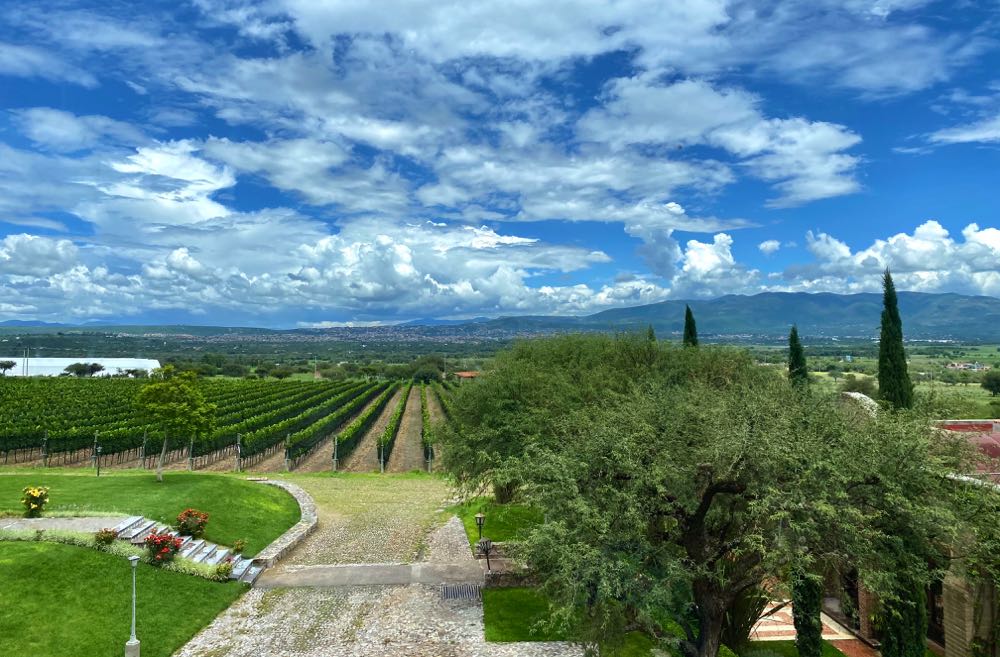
503 522
237 508
510 614
66 601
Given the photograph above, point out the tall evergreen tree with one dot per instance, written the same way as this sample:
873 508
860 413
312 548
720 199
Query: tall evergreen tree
650 335
690 330
798 373
894 384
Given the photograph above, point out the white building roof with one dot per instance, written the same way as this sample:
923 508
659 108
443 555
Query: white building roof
56 366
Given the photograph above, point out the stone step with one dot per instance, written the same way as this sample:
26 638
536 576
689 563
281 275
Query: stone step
206 552
251 575
192 547
240 567
217 558
127 524
140 528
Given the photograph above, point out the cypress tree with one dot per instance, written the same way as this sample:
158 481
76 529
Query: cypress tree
690 330
798 373
650 333
904 623
807 604
894 384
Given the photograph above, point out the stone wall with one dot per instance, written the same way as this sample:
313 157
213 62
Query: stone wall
305 526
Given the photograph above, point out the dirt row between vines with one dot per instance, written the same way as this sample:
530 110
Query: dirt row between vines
437 415
408 452
364 458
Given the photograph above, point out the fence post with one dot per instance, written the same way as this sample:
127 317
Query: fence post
191 455
239 452
45 449
93 451
142 450
381 459
335 442
287 436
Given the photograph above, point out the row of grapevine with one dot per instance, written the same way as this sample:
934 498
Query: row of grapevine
268 436
388 438
348 438
303 441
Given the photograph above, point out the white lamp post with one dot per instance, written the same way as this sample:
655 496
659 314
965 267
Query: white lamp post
132 645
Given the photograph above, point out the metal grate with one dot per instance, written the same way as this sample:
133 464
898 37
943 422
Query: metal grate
461 592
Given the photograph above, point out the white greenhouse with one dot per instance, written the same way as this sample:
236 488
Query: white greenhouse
57 366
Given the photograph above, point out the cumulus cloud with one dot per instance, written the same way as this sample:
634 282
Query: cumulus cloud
31 255
769 247
929 260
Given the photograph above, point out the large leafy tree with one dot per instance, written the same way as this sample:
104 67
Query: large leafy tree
690 329
172 403
798 372
674 480
6 365
991 382
894 383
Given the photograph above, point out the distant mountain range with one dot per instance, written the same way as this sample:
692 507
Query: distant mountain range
768 315
771 314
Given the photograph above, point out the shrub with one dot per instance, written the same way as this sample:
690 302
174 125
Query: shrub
105 536
162 547
34 500
191 522
223 570
239 546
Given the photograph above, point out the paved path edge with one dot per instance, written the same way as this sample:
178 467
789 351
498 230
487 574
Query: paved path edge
297 532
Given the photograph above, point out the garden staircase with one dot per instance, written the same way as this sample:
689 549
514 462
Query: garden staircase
135 529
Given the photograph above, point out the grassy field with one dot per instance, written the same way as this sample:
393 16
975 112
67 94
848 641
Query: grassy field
237 508
65 601
502 522
512 614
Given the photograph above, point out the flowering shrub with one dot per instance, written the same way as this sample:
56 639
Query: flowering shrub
239 545
191 522
163 547
105 536
34 500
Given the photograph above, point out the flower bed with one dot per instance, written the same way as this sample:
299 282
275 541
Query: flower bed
162 547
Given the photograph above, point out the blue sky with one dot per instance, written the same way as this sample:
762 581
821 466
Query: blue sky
303 163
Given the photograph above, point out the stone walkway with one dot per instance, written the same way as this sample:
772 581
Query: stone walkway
780 627
336 611
89 524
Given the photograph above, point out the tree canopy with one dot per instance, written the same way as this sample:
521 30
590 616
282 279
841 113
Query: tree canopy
172 403
991 382
675 480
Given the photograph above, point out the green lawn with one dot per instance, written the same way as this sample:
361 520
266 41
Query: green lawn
65 601
510 614
502 522
237 508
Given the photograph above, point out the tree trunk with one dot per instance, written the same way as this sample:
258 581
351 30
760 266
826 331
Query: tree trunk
163 457
504 493
711 618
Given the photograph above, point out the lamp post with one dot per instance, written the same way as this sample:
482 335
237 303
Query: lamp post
132 645
480 520
99 449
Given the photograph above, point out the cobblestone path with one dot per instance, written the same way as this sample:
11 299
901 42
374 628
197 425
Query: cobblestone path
365 621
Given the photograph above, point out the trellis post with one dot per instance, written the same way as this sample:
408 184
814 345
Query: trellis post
45 449
239 452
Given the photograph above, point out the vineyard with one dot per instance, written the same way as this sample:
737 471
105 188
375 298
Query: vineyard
266 424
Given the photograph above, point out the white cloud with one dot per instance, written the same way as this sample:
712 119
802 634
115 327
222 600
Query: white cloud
986 130
31 255
928 260
769 247
28 61
66 132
